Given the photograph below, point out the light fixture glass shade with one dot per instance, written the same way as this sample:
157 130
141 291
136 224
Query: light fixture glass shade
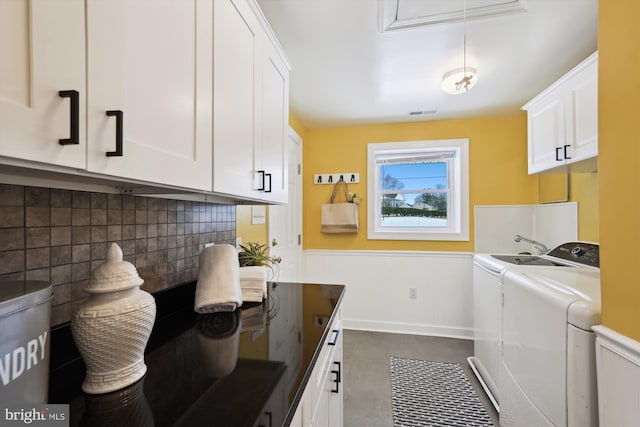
459 80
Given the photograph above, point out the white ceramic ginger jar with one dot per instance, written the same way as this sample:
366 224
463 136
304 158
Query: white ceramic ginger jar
112 327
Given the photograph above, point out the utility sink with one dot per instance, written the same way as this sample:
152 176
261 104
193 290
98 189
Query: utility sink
527 260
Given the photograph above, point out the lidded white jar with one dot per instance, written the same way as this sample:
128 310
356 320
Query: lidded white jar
112 327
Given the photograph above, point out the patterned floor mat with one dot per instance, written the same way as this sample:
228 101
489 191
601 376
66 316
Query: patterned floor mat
434 394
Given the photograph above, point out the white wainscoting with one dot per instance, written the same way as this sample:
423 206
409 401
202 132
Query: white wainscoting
618 368
378 288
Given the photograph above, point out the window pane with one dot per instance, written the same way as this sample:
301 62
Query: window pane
428 209
408 176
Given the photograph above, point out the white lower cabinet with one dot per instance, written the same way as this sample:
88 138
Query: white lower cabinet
321 404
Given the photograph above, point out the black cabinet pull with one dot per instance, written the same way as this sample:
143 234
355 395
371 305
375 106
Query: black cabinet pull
261 188
565 151
335 337
74 117
338 379
119 115
558 150
265 187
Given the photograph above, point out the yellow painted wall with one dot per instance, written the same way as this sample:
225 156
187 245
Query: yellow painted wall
249 232
619 163
583 188
497 169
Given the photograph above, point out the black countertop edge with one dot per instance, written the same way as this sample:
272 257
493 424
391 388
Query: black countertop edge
312 364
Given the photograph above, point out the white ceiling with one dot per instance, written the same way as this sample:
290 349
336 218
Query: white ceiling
347 72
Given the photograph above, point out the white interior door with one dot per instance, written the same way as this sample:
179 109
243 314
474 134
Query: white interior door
285 221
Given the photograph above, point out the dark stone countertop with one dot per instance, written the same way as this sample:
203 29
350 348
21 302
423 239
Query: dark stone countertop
245 368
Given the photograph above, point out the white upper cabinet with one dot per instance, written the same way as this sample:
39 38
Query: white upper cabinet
149 107
272 125
563 122
251 105
42 81
235 43
189 94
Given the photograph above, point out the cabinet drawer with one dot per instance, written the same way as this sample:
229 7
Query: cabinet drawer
324 363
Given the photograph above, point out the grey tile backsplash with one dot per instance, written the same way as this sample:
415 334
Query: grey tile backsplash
60 236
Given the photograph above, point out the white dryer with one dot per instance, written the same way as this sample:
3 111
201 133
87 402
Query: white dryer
548 347
488 279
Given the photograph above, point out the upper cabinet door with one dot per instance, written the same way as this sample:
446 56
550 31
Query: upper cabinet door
583 113
42 52
235 45
251 105
150 87
546 134
273 125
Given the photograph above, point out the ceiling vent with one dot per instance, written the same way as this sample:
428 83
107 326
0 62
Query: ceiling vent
400 14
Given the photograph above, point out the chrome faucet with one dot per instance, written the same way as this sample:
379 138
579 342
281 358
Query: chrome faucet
540 247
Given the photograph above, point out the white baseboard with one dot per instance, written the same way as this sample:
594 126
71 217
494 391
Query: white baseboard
408 328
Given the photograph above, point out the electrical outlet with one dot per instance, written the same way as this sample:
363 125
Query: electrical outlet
413 293
205 245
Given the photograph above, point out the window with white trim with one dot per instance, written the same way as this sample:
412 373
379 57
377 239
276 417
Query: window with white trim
418 190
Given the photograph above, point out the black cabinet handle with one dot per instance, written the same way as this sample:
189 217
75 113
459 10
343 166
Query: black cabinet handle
119 115
565 151
558 150
334 341
74 117
265 189
261 188
338 379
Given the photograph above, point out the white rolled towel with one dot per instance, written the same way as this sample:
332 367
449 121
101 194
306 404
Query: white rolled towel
253 272
218 286
251 296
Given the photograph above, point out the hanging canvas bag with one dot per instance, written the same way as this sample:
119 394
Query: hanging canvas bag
339 218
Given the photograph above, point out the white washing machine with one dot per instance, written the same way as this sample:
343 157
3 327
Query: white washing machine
488 278
486 362
548 347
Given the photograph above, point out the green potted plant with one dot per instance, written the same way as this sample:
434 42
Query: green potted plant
257 254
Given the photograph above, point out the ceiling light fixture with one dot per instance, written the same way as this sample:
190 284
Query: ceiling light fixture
461 80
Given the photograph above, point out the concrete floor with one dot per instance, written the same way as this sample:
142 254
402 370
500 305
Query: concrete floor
367 398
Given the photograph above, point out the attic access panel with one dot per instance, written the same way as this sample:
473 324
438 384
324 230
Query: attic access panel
399 14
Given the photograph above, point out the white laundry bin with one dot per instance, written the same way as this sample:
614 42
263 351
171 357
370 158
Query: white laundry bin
25 310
